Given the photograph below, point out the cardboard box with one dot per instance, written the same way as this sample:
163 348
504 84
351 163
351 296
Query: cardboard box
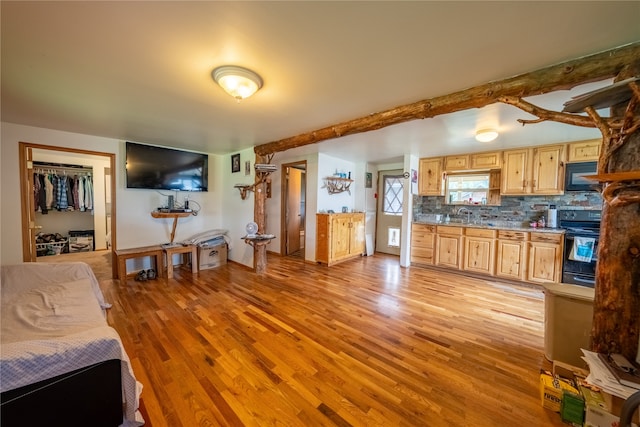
212 256
597 411
551 388
81 241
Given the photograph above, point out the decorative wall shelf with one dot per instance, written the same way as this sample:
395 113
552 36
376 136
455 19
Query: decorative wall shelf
337 185
262 173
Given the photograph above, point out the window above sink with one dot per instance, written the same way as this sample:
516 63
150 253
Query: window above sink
473 188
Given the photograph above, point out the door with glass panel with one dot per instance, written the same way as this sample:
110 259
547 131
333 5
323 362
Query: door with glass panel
390 194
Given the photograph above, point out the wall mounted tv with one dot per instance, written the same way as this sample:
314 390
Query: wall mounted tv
160 168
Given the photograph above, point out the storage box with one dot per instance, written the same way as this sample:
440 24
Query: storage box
597 411
551 388
212 256
81 241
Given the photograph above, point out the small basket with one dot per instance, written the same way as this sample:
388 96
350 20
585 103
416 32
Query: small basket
51 248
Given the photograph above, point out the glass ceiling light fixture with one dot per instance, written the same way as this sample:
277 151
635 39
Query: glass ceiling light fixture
237 81
486 135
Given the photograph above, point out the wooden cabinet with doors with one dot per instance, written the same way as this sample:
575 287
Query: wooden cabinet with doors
339 237
511 256
584 151
537 170
491 160
479 251
430 177
545 257
449 246
423 240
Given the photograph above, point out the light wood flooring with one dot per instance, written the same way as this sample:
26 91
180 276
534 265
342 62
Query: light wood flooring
363 343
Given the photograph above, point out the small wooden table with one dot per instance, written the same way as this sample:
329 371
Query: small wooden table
171 250
147 251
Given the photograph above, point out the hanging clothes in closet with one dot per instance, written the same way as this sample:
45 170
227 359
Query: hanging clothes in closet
62 191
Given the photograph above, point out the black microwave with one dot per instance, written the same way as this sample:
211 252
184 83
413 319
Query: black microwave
574 178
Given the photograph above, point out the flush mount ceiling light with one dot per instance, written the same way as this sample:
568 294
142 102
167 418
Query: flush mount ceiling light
486 135
237 81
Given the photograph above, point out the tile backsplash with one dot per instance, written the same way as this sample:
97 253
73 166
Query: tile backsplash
514 210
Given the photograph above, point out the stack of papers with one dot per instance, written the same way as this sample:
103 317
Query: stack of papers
602 377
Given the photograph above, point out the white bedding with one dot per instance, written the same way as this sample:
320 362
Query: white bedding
53 323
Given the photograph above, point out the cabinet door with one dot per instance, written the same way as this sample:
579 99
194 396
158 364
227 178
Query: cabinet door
340 236
545 262
584 151
454 163
479 255
356 235
486 160
548 170
448 251
430 182
509 261
515 171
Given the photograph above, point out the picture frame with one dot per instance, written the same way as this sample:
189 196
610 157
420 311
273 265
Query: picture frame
247 167
368 180
235 163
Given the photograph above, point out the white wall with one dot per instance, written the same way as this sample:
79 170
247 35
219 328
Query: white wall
327 167
218 208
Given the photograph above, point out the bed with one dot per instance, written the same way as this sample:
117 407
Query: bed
60 362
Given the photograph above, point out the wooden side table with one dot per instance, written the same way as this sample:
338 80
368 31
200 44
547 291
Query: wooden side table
123 255
171 250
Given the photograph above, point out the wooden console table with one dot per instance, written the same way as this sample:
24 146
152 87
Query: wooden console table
174 215
123 255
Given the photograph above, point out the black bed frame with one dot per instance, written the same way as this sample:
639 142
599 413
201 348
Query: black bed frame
90 396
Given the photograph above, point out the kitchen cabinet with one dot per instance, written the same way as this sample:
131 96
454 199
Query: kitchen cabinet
537 170
339 237
457 163
545 257
423 239
430 181
479 250
584 151
492 160
510 259
449 246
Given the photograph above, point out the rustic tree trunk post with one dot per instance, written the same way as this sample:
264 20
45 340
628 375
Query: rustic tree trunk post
616 318
260 197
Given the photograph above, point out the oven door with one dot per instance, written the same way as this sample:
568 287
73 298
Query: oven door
579 264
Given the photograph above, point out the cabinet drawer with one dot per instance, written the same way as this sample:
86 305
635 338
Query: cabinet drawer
453 231
513 235
547 237
423 228
584 151
480 232
422 240
422 255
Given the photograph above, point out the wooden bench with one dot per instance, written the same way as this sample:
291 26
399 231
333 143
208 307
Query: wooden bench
147 251
181 249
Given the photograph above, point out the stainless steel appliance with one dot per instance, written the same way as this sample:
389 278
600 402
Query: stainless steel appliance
582 231
574 178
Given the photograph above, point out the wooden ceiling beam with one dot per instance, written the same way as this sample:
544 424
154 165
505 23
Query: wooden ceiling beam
562 76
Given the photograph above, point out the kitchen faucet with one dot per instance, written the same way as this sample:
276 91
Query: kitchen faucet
467 211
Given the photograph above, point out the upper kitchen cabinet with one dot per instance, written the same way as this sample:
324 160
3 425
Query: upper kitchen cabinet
456 163
584 151
537 170
492 160
430 182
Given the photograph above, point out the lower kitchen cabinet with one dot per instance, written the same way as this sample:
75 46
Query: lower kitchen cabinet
510 261
480 251
423 240
449 246
339 237
545 258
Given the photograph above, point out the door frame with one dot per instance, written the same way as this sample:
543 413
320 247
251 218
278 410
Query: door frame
379 202
284 190
28 248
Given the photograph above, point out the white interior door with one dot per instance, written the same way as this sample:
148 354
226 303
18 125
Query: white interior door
390 194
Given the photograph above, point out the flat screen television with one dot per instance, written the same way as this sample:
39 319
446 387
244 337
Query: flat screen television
160 168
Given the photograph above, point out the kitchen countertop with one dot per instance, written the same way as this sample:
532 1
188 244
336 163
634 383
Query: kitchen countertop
491 226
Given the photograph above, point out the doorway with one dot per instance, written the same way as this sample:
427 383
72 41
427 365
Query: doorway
103 204
294 189
389 211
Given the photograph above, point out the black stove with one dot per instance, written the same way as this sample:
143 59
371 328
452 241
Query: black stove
582 231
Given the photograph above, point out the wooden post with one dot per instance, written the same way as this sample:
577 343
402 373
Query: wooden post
260 197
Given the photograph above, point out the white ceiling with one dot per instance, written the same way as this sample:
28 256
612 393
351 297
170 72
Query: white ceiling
141 70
